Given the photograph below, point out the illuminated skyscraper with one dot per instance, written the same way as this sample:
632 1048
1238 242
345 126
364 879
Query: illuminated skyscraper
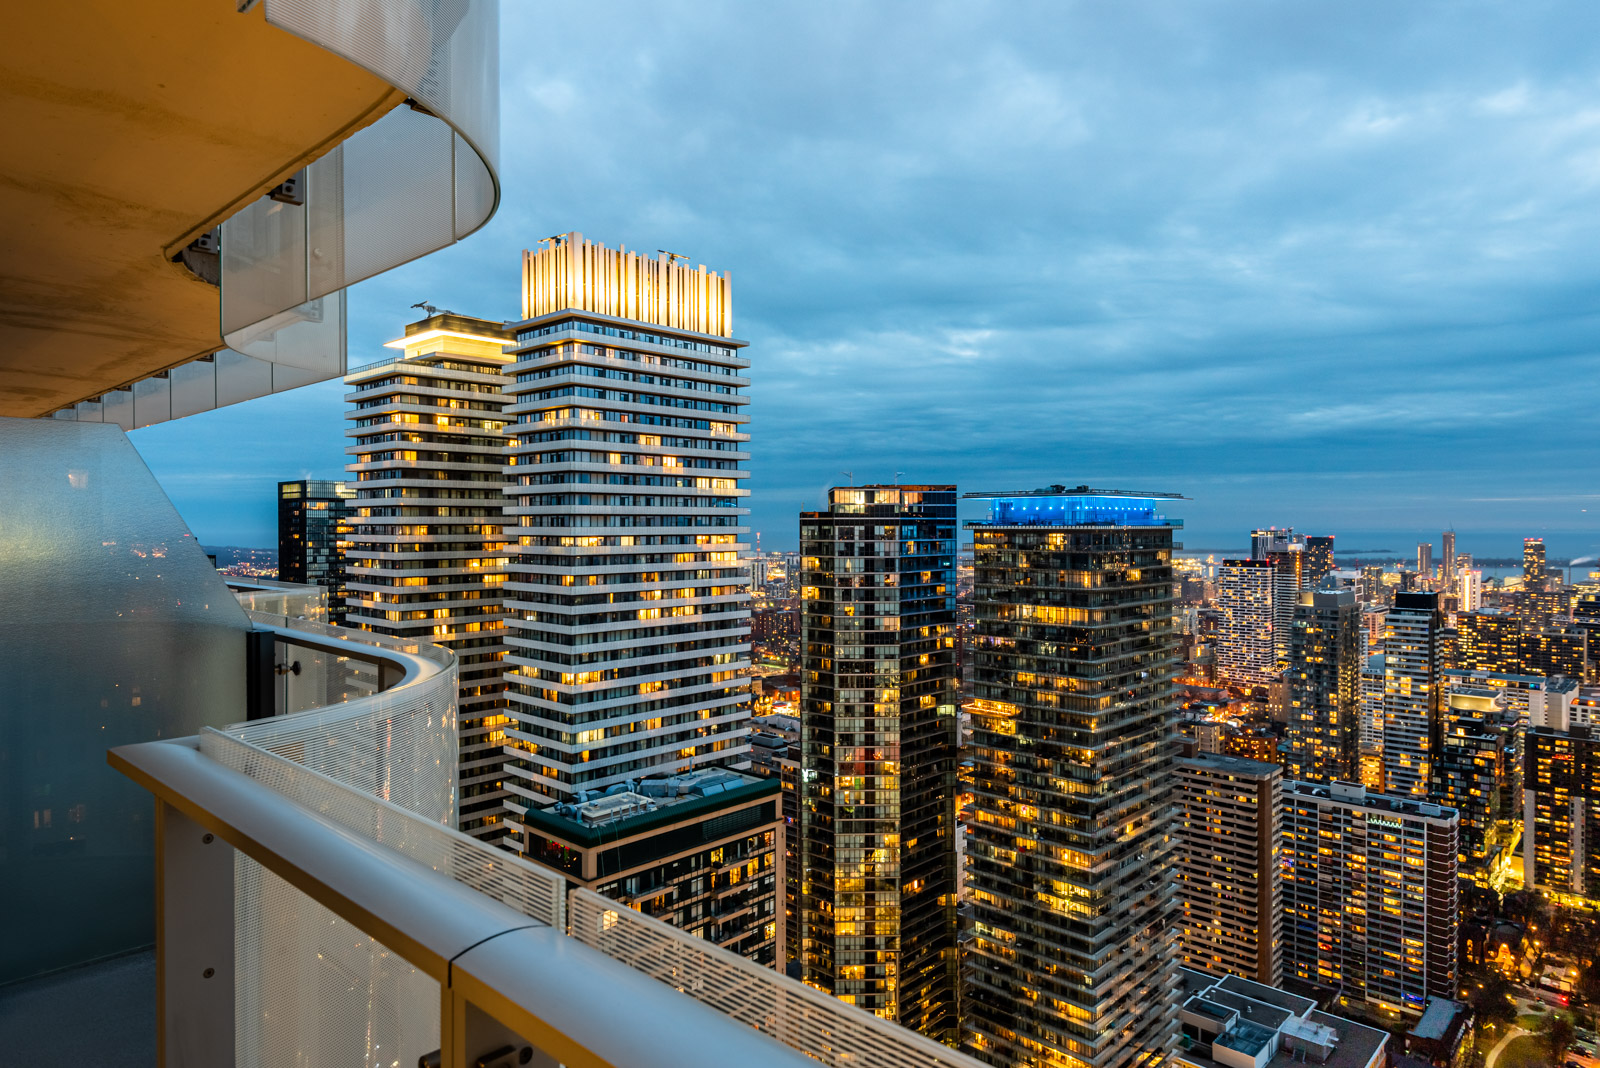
1370 895
1425 559
1413 698
1069 853
1489 641
1447 563
1476 743
313 535
879 690
1532 564
627 604
1264 539
1319 560
1324 680
1247 593
1286 551
1228 827
427 555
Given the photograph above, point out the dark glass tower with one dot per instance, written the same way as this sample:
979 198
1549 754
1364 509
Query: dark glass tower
1069 852
878 737
1324 679
313 534
1319 559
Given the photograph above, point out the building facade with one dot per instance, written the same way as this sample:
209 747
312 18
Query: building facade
1489 641
314 535
427 549
1247 592
879 692
628 618
701 851
1319 559
1477 751
1228 823
775 754
1370 895
1532 564
1413 657
1324 677
1069 843
1561 801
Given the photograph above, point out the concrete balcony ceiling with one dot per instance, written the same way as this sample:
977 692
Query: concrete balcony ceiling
155 125
137 130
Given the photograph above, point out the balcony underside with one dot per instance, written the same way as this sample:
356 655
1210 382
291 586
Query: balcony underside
122 149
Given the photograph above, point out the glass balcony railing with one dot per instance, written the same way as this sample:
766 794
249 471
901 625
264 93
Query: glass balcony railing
316 906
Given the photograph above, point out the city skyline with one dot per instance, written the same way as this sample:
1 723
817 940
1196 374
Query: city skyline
1321 263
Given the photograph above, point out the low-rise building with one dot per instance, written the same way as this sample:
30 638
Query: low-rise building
702 851
1440 1037
1237 1023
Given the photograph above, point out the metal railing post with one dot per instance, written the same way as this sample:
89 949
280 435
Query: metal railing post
194 943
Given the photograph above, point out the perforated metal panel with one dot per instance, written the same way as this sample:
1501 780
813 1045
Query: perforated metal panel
533 891
791 1012
313 991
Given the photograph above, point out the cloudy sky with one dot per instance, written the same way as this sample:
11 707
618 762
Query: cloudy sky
1334 265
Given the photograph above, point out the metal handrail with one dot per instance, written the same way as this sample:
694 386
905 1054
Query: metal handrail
581 1006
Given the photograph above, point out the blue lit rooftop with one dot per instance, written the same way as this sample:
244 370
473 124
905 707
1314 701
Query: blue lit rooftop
1080 506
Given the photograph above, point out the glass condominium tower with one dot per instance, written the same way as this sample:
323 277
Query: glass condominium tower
1072 956
878 699
628 607
427 555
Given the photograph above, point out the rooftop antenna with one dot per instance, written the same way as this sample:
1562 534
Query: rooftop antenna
555 240
851 475
428 309
672 257
897 475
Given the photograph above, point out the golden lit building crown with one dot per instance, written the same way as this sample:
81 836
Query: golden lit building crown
571 273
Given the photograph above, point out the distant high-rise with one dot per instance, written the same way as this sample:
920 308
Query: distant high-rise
1476 742
1246 596
313 535
1324 680
1425 560
1532 564
1319 559
1228 859
1069 855
1447 563
1264 539
1286 551
1412 695
427 554
628 605
1372 707
1561 801
1370 895
1489 641
879 691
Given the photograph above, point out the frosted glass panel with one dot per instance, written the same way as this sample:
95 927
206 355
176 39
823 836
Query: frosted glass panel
114 628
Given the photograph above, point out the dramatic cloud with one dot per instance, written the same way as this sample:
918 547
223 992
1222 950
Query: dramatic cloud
1331 265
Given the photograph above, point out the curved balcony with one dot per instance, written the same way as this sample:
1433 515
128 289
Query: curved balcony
317 907
182 231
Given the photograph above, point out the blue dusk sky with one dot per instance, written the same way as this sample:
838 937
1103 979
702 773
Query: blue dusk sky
1334 266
